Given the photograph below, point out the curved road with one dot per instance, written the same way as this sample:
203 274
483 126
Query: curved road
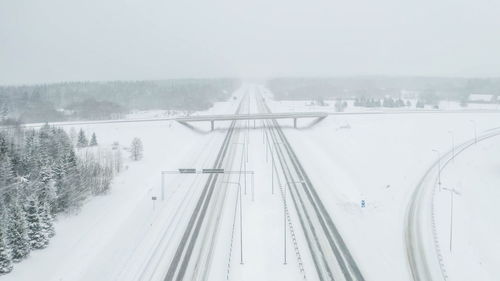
423 257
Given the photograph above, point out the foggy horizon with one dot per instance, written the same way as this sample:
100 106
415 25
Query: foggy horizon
150 140
57 41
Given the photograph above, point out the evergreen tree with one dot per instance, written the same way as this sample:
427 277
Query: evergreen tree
30 158
6 173
37 236
82 139
72 135
4 112
45 187
4 146
59 172
93 140
46 220
18 233
70 191
5 258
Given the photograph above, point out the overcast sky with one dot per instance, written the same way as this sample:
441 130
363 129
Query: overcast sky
67 40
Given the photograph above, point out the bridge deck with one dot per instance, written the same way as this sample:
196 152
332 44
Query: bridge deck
255 116
227 117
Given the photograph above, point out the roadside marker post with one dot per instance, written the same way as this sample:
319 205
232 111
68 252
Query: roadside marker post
153 199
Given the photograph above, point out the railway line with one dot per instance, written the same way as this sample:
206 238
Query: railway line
185 264
331 257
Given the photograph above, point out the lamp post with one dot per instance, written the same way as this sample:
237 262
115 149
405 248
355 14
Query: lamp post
439 167
452 145
272 174
475 130
241 218
452 191
244 163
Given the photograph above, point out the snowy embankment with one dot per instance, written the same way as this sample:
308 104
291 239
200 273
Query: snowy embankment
444 106
378 159
475 175
107 238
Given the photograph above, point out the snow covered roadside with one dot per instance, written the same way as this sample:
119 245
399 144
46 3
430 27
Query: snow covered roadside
263 221
379 159
444 106
103 239
475 175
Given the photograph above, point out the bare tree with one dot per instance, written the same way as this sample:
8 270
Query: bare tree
136 149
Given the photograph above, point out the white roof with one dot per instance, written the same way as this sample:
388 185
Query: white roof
476 97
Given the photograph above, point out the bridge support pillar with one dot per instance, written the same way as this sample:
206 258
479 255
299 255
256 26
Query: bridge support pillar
212 124
295 123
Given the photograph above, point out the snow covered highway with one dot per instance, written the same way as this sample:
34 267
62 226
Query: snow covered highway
249 140
331 257
300 217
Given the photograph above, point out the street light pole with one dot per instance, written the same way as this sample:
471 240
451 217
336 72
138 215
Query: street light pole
241 218
284 226
452 145
439 167
244 163
452 191
162 186
475 130
272 175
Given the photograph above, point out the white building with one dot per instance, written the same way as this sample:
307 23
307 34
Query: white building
482 98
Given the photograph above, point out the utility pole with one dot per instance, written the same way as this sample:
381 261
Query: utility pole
162 187
475 130
284 225
272 175
439 167
452 191
452 145
244 162
241 218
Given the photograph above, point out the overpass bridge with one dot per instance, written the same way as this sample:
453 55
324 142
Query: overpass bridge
254 116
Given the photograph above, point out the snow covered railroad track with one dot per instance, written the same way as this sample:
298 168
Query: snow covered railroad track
331 257
191 260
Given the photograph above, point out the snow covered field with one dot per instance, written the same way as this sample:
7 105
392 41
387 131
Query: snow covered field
474 174
108 238
379 159
375 158
306 105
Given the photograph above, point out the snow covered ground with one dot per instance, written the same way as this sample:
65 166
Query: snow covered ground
375 158
475 174
114 234
379 159
306 105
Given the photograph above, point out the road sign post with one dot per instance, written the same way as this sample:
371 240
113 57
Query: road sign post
204 171
153 199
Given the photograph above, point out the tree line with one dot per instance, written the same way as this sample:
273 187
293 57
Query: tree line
41 176
107 100
428 90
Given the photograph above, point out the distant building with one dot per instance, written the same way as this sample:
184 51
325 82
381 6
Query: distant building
409 94
481 98
66 112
